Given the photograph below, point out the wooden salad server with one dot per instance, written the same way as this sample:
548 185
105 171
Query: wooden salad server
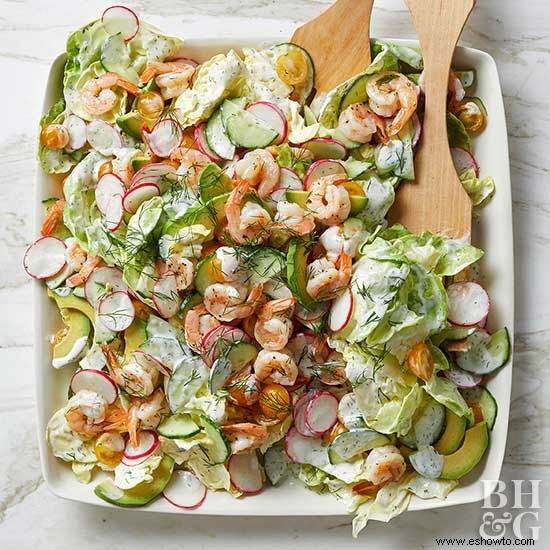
338 41
436 200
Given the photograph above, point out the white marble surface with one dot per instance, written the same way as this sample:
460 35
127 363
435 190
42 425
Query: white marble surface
32 33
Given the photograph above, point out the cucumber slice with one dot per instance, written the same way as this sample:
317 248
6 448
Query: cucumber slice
428 425
213 182
140 494
467 78
240 354
190 301
349 444
218 449
297 260
356 92
219 374
468 455
482 396
178 426
216 137
486 353
244 129
301 92
207 273
452 333
265 264
427 462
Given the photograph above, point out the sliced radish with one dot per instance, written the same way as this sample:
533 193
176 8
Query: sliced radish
148 443
165 136
341 311
114 213
289 179
244 471
299 414
77 132
462 378
321 168
417 125
464 160
304 450
45 257
149 362
154 173
273 117
102 281
202 143
326 148
103 137
468 304
165 295
116 311
138 194
189 60
97 381
218 339
108 186
120 19
321 412
184 490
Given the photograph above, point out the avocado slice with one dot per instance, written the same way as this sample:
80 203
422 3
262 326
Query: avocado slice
297 255
468 455
72 340
213 181
134 336
70 301
452 437
358 204
131 124
139 162
140 494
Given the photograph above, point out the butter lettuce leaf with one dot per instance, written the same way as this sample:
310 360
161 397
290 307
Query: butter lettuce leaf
480 190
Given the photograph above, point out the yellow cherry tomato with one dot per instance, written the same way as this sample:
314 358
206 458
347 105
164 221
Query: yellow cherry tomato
472 115
420 361
105 168
292 67
54 136
337 429
109 448
353 188
275 401
150 105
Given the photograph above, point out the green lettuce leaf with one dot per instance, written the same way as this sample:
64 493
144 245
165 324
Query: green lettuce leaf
480 190
447 394
457 134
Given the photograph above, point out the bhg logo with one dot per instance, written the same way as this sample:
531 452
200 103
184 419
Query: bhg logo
515 509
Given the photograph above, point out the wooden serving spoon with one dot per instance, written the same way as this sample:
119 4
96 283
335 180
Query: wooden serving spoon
338 41
436 200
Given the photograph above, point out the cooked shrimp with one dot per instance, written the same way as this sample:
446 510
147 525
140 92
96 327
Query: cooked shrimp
54 214
328 200
192 163
227 302
86 412
326 278
308 353
457 92
242 388
97 95
138 379
358 123
333 371
259 168
172 77
392 94
245 436
76 255
384 464
293 218
197 323
145 414
248 221
277 367
334 241
274 325
85 272
183 269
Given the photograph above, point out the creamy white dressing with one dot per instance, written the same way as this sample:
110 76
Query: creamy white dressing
74 353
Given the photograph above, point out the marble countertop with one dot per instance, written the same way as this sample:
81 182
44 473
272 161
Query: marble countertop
32 33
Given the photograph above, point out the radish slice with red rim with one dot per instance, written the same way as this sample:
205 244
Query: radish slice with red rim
463 161
138 194
120 19
299 414
153 173
321 412
103 137
116 311
103 281
108 186
462 378
417 125
468 304
289 179
304 450
77 132
341 311
326 148
165 295
321 168
164 138
273 117
148 443
96 381
45 257
218 339
148 361
244 471
114 213
184 490
202 143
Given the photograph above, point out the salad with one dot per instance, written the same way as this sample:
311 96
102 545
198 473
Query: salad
236 309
